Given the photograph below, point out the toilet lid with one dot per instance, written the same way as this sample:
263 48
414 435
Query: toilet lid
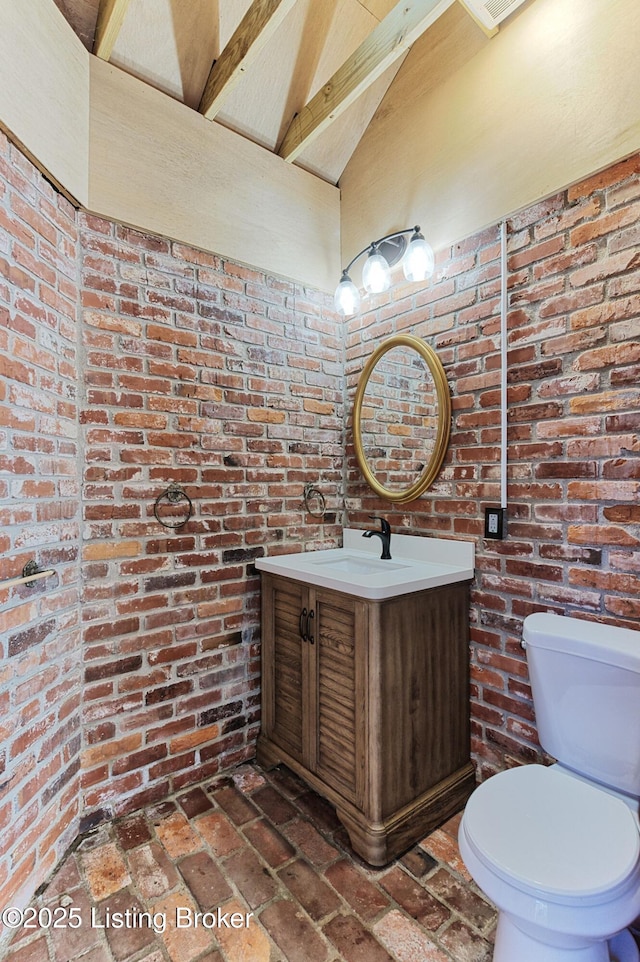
543 830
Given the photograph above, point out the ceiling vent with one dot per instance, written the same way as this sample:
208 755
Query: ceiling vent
489 13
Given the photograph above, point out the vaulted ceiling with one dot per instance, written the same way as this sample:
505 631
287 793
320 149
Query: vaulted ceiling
302 78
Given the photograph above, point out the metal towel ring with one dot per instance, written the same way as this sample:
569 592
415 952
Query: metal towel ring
313 496
173 494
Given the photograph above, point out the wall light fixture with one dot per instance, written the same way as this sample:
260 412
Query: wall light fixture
417 263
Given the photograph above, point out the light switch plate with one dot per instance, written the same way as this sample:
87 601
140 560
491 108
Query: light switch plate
494 522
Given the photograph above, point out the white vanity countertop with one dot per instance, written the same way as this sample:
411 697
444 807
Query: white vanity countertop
356 568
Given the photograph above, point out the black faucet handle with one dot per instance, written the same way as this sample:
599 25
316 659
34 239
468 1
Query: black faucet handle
385 527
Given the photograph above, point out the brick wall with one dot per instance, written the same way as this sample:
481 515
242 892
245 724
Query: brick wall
574 430
186 369
40 644
134 670
228 382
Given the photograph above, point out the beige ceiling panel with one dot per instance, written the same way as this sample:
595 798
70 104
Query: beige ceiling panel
256 105
172 44
387 43
313 41
169 44
445 47
350 25
161 167
230 13
553 97
44 91
260 23
328 155
379 8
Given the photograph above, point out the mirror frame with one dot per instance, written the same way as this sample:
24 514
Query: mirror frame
433 465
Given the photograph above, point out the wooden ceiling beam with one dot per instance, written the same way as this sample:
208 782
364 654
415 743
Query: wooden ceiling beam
388 41
258 25
111 15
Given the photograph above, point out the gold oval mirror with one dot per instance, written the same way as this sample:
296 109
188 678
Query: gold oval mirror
401 418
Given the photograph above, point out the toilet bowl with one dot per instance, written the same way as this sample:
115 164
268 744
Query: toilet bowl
558 849
560 858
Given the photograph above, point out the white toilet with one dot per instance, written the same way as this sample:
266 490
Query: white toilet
558 849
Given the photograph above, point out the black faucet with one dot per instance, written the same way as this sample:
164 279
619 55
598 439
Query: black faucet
384 534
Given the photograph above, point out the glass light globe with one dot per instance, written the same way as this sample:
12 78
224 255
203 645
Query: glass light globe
418 261
346 297
376 275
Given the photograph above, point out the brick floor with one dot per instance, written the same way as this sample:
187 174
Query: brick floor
268 859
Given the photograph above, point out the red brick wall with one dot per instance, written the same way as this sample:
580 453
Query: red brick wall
40 643
228 382
574 430
184 368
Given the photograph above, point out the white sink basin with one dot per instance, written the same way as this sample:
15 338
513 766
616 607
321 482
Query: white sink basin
357 569
355 564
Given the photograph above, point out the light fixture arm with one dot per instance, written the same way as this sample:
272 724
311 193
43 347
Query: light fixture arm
417 263
375 244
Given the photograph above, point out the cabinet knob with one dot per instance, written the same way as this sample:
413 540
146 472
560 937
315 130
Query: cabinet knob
310 637
302 624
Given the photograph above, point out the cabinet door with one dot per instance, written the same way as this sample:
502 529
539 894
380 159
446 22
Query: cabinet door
285 665
336 741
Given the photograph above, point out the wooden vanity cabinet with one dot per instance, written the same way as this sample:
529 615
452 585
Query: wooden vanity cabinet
309 683
368 701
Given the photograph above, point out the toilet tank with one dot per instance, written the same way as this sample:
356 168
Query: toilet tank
585 679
